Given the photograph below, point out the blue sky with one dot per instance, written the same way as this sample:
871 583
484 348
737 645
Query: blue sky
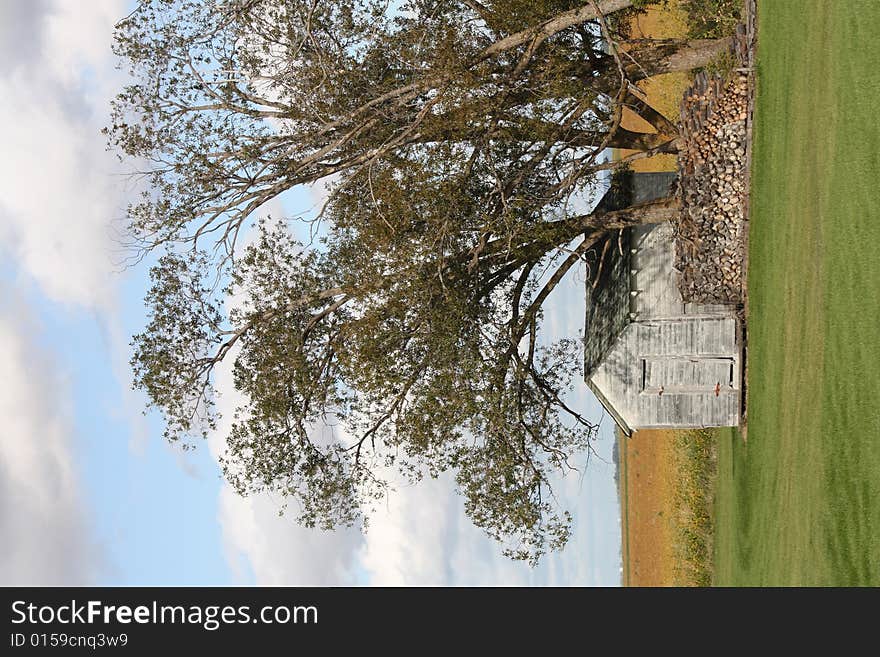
89 491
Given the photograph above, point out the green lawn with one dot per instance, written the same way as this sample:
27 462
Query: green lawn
799 504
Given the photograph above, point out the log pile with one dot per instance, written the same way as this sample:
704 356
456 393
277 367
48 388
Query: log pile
712 177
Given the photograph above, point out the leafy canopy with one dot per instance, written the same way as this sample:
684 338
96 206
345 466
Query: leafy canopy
456 137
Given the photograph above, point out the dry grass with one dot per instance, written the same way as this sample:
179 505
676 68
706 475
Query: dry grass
667 484
647 476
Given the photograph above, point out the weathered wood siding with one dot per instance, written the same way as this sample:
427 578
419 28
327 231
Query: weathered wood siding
664 373
650 275
652 278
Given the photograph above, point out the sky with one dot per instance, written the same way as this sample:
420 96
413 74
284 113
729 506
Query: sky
90 493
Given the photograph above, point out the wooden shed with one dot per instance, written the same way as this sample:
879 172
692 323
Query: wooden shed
653 359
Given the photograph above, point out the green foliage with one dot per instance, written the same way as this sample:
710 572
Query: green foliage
722 64
184 326
712 19
417 375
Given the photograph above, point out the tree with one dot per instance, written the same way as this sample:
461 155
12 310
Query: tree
456 136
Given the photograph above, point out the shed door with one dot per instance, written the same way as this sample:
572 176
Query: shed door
686 374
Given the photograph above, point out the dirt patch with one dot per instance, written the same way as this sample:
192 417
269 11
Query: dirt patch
648 474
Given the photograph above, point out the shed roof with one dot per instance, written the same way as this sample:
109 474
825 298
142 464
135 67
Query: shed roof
607 305
607 299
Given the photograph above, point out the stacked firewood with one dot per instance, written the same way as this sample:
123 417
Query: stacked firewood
712 177
709 233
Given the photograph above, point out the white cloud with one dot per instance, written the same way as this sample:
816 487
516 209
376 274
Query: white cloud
278 552
46 539
423 538
59 197
58 190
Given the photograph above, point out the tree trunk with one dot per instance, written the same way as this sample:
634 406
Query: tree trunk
530 130
641 141
559 233
658 56
641 107
652 212
556 24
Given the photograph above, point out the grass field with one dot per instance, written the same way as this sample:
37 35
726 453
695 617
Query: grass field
799 503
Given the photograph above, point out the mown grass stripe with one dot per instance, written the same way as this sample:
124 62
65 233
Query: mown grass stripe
800 503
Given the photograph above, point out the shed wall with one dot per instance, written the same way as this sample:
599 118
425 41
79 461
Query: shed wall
653 278
691 356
